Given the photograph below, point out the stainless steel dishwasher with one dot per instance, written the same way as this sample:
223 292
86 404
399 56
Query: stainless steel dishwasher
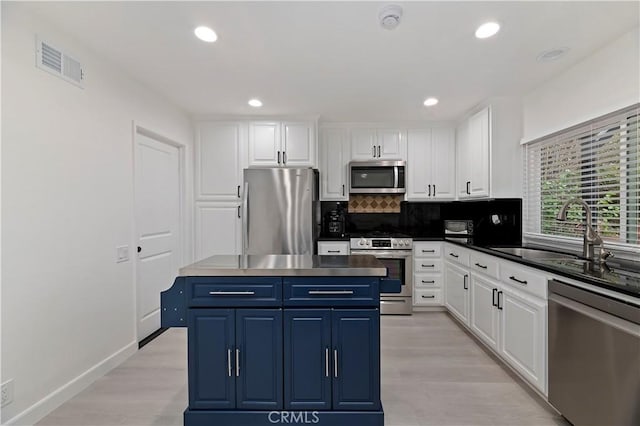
594 357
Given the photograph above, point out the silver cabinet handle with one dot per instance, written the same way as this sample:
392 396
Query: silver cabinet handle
330 292
428 282
326 362
229 362
237 362
481 266
335 363
232 293
428 297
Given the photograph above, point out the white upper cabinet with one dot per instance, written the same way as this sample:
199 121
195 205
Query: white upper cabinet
299 144
431 164
273 144
218 167
334 157
473 141
381 144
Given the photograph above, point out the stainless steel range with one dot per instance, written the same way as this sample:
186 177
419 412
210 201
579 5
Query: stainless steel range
396 253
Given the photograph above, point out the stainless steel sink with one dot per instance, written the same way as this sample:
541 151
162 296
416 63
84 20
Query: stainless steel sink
534 253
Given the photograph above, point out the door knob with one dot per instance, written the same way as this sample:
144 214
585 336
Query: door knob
139 249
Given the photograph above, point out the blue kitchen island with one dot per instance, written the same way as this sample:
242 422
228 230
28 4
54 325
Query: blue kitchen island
281 339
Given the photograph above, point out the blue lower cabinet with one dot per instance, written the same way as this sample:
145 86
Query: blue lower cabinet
235 359
259 348
211 334
355 336
307 359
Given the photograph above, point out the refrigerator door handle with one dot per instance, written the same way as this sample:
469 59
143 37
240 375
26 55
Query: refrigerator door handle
245 218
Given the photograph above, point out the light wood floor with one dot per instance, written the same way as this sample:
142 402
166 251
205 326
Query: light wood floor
433 373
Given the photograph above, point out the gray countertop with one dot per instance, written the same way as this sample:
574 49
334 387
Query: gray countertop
286 265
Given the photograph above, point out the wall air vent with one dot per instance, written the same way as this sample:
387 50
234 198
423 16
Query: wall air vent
54 60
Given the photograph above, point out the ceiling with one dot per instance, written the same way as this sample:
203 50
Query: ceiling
333 59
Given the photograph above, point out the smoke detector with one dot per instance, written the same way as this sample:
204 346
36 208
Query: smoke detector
390 16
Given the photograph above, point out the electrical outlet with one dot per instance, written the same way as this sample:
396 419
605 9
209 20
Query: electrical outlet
7 392
122 254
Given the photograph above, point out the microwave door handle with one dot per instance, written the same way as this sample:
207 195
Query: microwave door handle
395 176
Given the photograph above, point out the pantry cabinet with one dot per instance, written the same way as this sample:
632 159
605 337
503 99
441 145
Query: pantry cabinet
282 144
473 142
431 166
334 160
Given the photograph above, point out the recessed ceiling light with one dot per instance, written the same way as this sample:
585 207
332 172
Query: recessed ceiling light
430 101
256 103
487 29
206 34
552 54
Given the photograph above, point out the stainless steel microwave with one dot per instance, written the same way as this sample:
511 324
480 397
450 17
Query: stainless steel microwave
377 177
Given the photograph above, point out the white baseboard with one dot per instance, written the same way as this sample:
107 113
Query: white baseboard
46 405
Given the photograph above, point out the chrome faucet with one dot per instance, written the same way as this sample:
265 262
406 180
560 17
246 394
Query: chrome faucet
591 239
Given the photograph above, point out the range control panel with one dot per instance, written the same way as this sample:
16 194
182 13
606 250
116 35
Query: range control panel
381 243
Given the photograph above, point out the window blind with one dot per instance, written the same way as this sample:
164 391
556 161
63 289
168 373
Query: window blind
597 162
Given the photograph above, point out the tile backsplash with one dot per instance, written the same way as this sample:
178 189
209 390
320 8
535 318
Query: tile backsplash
375 203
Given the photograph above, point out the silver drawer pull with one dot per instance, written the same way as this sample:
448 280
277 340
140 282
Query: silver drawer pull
237 362
330 292
326 362
524 282
428 282
481 266
335 363
232 293
229 362
428 297
428 251
427 266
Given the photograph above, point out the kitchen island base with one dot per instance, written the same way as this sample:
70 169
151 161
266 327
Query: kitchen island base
270 418
281 339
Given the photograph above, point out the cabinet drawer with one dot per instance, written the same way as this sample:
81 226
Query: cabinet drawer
523 278
427 265
333 248
323 291
232 292
426 249
484 264
456 255
427 297
427 280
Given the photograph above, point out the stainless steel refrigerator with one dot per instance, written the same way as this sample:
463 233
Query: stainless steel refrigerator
281 211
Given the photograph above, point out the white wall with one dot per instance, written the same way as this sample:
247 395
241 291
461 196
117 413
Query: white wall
68 310
605 81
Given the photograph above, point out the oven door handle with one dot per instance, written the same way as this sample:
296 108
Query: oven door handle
395 254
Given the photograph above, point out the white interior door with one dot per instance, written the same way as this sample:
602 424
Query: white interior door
157 226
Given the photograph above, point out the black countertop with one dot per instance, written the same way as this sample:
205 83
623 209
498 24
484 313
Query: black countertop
619 275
